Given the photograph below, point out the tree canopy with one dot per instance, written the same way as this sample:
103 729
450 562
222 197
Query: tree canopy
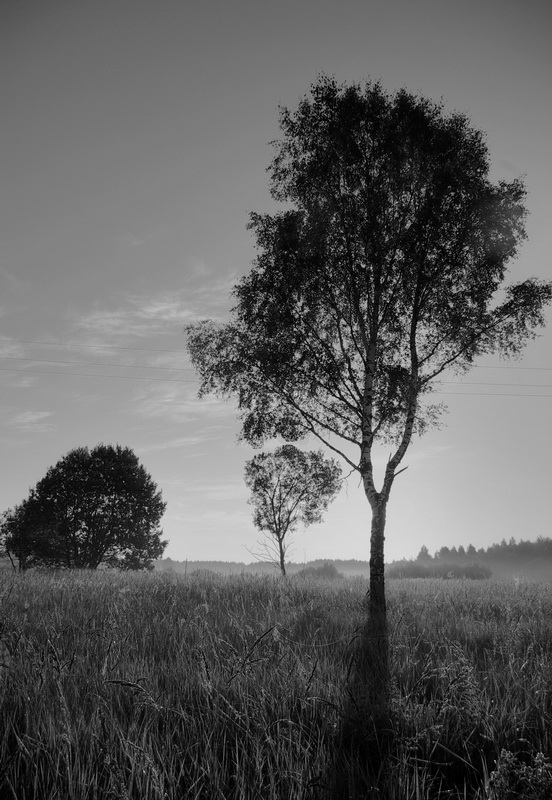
93 507
385 268
289 487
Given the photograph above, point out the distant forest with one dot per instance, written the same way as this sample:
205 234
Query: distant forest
523 560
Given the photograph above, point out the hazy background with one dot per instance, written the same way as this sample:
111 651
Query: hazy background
134 142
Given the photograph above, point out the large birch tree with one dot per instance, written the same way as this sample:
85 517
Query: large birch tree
385 268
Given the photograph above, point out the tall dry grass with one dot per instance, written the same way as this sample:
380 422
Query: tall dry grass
157 686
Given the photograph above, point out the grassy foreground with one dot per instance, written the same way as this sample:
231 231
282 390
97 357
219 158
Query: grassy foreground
157 686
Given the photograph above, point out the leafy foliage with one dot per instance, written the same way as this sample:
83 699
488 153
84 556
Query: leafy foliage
93 507
290 487
383 274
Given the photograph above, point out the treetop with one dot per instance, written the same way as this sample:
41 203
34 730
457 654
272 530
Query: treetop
386 269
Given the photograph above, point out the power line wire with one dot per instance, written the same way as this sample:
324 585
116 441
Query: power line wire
494 394
505 366
92 346
490 383
93 364
181 352
93 375
185 380
191 369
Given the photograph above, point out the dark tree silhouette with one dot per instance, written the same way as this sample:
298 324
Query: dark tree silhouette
93 507
385 269
289 487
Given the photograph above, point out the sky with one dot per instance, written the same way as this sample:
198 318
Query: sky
134 144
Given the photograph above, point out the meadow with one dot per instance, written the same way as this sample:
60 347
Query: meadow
160 686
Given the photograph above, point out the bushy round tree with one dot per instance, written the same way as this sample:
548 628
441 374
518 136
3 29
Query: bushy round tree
94 507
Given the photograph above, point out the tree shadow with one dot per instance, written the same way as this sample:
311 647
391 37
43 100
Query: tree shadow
361 762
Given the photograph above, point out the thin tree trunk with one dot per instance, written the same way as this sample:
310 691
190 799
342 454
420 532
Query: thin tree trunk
282 553
366 734
371 673
378 609
376 631
12 562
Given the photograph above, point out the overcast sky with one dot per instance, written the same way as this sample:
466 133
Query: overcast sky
134 143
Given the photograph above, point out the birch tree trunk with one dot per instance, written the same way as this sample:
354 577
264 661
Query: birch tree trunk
374 660
369 679
367 731
282 556
377 607
375 640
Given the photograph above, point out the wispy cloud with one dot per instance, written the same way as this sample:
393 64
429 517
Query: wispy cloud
178 403
14 381
33 422
12 282
160 313
128 240
428 452
209 518
213 298
132 241
13 369
223 490
137 318
10 348
512 168
198 268
188 441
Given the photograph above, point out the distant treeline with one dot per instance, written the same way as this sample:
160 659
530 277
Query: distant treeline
327 568
524 560
437 569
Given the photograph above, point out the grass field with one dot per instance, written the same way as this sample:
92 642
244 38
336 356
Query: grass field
156 686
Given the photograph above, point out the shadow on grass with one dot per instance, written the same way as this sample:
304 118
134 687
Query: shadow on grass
361 763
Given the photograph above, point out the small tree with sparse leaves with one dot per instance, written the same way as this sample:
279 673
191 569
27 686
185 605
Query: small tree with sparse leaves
289 487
